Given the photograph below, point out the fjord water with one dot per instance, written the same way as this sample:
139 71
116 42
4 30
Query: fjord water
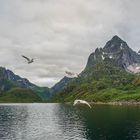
65 122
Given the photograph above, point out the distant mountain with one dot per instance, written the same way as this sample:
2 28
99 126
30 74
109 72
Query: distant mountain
61 85
9 76
106 77
9 80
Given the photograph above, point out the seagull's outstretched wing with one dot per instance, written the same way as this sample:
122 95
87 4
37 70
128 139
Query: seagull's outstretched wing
26 58
81 102
87 104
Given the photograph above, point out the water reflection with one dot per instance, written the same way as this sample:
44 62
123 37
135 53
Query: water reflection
65 122
71 122
12 121
102 122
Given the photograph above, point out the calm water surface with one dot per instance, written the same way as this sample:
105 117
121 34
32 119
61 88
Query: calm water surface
65 122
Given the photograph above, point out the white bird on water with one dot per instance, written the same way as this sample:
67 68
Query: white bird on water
28 59
81 102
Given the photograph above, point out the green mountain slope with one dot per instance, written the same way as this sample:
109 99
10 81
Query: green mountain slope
105 77
104 83
9 81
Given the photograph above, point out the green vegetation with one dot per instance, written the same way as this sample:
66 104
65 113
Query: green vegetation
19 95
105 82
42 92
14 88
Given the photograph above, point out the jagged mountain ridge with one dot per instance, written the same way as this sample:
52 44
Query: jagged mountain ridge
17 80
106 76
115 49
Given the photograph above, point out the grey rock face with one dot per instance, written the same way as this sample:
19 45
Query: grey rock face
17 80
117 50
9 80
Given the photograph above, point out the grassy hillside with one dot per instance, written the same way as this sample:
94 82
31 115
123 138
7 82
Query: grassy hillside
19 95
105 82
42 92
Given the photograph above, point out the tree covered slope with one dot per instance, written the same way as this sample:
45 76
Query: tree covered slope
19 95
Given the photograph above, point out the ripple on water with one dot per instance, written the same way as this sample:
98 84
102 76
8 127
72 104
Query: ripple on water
65 122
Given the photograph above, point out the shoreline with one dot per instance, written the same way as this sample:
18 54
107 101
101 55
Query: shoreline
120 103
117 103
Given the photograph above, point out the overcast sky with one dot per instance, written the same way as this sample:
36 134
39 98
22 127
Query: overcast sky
60 34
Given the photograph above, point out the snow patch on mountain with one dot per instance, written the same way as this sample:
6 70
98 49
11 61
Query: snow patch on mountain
135 68
103 57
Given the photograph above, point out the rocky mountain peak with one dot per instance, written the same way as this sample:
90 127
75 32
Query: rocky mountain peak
117 50
116 38
115 44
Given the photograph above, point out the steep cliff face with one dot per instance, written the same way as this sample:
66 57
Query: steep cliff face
115 50
7 76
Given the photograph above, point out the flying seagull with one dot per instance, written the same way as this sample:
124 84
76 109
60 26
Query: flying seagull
71 74
28 59
76 102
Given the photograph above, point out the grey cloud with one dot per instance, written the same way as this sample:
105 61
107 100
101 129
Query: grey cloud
61 34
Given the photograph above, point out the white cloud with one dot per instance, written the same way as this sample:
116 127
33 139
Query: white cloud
61 34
